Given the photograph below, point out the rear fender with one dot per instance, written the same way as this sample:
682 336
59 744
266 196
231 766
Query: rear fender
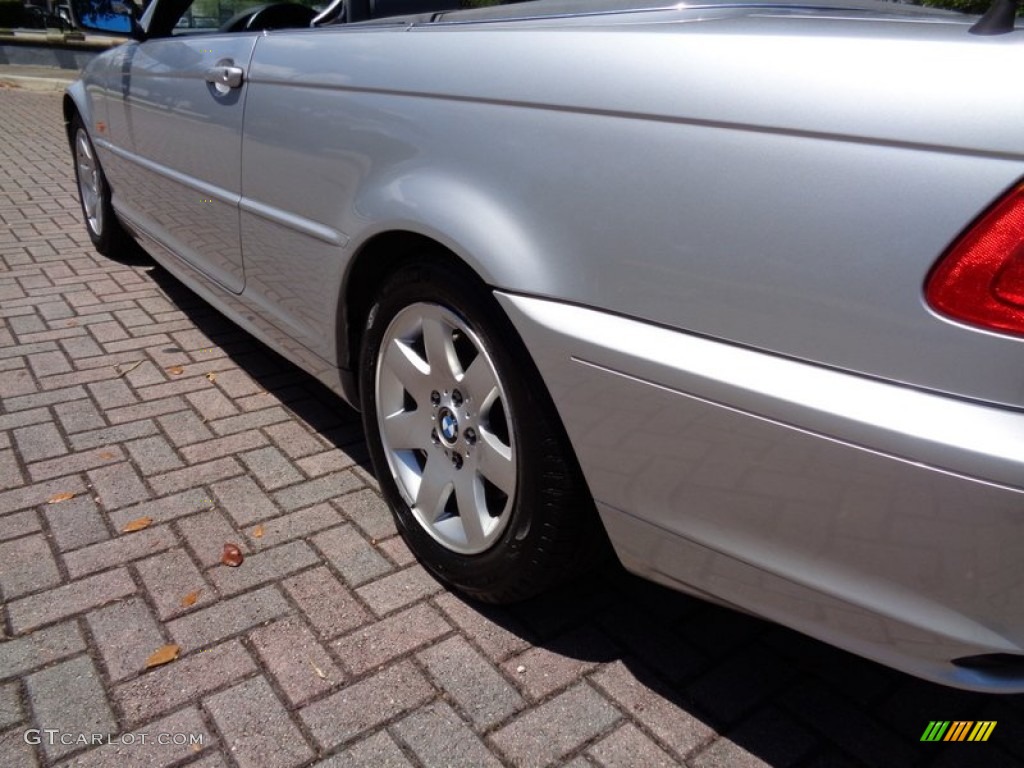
464 219
475 227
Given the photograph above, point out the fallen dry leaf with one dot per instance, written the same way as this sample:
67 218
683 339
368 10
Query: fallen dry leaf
232 556
163 655
71 323
319 672
108 455
211 376
59 497
137 524
175 370
257 532
190 598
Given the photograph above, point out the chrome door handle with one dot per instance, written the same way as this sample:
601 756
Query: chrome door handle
224 77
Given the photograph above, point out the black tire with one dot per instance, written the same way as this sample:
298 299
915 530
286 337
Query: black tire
101 222
547 528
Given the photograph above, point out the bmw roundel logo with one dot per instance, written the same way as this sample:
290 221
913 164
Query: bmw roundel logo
449 426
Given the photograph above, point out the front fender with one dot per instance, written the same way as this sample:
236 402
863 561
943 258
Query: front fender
76 101
89 96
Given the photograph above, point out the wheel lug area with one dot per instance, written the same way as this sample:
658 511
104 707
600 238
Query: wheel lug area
456 398
456 460
434 438
435 398
470 435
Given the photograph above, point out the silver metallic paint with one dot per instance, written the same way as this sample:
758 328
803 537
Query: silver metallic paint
182 138
733 209
773 179
850 494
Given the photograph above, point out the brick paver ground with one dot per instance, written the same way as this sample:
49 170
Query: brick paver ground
329 645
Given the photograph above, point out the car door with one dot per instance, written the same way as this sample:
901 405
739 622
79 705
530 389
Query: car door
179 127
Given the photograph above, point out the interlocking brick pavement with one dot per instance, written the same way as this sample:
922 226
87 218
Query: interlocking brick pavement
329 646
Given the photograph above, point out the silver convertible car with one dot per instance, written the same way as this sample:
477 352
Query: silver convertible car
737 287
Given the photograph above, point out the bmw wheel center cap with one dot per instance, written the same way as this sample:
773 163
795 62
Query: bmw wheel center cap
449 425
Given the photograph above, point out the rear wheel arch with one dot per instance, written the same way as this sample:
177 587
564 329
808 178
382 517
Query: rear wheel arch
477 229
370 268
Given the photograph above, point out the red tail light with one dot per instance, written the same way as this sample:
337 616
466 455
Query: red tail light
980 280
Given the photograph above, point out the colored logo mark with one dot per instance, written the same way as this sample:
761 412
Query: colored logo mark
958 730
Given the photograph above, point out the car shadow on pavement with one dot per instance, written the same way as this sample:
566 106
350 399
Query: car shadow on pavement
297 390
688 670
130 254
685 670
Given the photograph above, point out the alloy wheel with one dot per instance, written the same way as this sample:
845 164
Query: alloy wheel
90 182
446 428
